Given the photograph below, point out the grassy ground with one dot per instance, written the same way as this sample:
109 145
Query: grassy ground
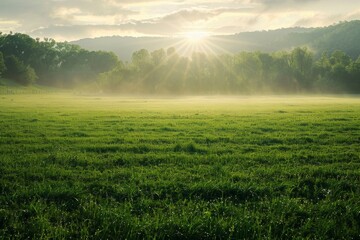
189 168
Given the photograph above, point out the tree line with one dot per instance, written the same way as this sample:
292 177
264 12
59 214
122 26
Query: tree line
47 62
296 71
26 60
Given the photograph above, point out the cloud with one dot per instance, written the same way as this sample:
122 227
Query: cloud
75 32
283 2
39 13
73 19
171 24
8 25
193 15
321 19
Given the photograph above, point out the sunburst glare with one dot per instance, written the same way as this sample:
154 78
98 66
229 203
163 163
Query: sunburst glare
194 41
196 37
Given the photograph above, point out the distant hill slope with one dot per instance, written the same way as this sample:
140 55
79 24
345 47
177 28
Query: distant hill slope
343 36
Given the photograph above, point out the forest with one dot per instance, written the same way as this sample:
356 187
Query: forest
26 61
59 64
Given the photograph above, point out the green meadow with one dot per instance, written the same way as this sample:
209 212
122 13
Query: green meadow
102 167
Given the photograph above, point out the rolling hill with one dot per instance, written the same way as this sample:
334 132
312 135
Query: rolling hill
343 36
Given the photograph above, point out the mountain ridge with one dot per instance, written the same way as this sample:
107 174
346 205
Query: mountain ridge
342 36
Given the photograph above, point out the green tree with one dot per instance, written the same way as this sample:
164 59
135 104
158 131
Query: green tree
282 77
101 61
353 83
29 76
248 67
158 57
116 80
18 71
20 45
339 57
141 60
2 64
301 62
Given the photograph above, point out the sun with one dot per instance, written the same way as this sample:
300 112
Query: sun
196 37
194 42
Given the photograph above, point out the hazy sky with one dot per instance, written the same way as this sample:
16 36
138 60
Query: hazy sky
74 19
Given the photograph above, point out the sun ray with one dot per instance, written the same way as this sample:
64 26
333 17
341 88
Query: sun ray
196 37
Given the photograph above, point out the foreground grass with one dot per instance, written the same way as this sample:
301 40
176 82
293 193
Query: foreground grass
190 168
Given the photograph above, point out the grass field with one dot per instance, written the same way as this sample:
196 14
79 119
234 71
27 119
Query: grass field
179 168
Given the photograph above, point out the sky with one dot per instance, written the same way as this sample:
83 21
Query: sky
67 20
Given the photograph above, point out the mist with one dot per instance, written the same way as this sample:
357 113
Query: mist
191 67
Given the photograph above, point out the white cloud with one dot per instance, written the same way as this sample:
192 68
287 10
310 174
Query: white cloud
9 25
72 19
